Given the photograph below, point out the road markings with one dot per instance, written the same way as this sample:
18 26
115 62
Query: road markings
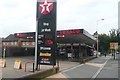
59 75
96 74
71 68
94 64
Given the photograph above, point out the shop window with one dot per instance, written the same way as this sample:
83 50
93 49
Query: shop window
7 43
23 43
27 43
4 43
12 43
33 43
15 43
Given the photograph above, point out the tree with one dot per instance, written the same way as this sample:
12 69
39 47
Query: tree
104 43
105 40
114 35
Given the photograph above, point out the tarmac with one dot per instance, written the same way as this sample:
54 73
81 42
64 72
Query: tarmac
101 68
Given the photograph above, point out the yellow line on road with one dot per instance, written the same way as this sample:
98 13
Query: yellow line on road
59 75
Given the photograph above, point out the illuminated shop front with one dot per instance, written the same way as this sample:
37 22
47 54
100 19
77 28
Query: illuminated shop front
75 44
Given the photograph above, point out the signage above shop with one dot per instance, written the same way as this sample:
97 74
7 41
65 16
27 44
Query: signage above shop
69 32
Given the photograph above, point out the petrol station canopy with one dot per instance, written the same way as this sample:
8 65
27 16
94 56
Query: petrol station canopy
75 36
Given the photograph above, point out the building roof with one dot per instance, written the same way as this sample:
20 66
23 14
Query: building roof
75 36
14 37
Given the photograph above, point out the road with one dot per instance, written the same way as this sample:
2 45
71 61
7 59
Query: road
99 68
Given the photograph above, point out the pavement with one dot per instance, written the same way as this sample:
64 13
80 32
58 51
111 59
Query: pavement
10 72
101 68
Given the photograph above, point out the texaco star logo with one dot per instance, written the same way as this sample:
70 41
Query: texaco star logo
45 6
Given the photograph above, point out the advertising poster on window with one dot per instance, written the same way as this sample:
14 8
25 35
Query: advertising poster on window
46 32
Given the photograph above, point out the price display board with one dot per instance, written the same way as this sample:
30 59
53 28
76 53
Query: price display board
46 32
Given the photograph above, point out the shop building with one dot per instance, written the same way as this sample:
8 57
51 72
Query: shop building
19 44
75 44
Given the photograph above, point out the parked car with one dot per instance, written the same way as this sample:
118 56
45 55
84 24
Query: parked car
95 52
99 53
117 52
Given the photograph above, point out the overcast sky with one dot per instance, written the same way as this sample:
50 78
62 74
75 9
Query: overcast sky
20 15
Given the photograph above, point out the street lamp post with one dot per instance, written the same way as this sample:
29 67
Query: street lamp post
97 36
